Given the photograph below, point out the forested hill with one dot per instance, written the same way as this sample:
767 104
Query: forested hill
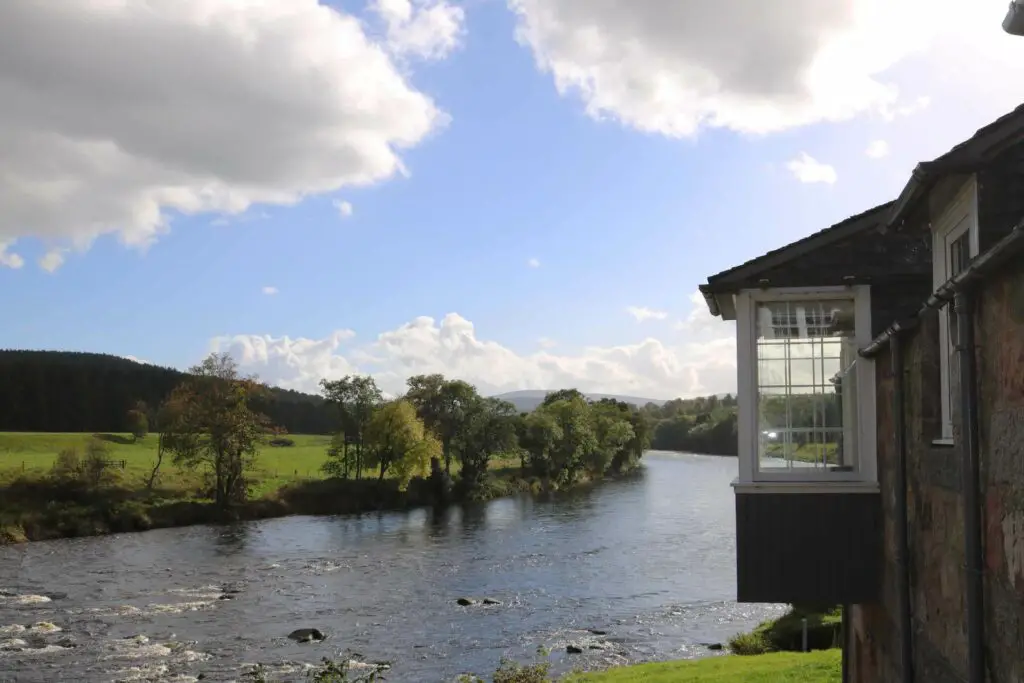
60 391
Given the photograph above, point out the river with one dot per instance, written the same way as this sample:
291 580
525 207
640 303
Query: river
650 560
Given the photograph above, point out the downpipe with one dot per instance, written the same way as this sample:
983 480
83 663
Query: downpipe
902 540
964 303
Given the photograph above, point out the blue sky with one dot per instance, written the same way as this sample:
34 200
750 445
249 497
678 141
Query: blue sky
617 212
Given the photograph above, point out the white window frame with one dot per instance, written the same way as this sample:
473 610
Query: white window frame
746 364
958 218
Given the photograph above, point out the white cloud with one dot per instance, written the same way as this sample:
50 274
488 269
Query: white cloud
642 313
9 259
877 149
533 263
221 104
52 260
703 364
270 291
675 67
807 169
699 321
546 343
428 29
344 208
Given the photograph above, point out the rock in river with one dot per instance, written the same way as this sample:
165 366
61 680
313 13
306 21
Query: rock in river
306 635
466 602
573 649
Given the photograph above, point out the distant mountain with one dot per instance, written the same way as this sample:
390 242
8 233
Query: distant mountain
528 399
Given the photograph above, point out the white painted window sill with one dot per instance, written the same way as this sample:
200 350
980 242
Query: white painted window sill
805 486
944 442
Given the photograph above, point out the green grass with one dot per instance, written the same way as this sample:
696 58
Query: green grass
34 453
822 666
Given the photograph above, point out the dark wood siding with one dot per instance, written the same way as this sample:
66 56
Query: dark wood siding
894 300
1000 197
817 548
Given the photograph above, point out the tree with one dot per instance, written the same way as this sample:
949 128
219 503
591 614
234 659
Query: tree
542 432
355 397
443 406
577 437
490 429
398 441
216 429
613 432
138 421
563 395
168 421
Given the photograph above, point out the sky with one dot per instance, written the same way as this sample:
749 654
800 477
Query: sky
523 194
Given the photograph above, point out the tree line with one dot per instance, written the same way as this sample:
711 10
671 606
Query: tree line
442 428
706 424
59 391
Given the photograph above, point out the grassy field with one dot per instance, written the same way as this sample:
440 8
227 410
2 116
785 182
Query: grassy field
34 454
822 666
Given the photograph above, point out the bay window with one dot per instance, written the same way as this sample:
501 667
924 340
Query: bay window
806 397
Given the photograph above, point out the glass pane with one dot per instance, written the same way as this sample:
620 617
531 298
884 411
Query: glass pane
959 255
806 386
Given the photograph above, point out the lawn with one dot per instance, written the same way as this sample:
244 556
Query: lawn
34 453
822 666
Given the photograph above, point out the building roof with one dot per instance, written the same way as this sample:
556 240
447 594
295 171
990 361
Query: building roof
965 157
845 228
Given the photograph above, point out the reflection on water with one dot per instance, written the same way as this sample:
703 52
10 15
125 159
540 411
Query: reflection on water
649 559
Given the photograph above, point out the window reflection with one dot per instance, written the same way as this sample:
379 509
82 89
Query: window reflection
806 385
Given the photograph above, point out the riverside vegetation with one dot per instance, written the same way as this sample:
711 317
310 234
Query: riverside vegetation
214 456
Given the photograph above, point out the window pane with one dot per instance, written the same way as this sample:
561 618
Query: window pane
806 386
959 255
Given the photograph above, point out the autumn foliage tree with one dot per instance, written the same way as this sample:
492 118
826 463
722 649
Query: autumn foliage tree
214 428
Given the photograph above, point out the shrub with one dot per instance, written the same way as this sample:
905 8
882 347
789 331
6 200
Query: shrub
67 465
749 644
512 672
281 442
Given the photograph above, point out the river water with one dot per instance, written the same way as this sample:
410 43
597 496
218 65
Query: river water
649 560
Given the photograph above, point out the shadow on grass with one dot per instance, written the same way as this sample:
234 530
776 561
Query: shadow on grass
115 438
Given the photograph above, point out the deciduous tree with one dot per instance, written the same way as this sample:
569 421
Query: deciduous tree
443 406
216 430
138 421
356 397
398 441
490 429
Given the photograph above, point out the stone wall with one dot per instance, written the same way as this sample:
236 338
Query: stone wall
935 504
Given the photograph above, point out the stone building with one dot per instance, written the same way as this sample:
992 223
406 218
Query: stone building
881 420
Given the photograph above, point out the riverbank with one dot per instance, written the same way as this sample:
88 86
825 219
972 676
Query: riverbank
37 505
